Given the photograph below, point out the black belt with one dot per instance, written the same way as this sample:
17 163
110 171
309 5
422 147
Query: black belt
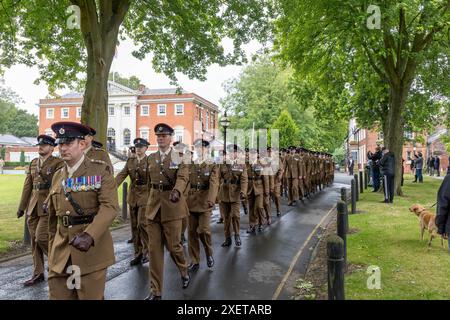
162 187
200 186
231 181
67 221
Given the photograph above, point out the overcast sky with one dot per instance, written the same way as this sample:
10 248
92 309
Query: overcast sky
20 78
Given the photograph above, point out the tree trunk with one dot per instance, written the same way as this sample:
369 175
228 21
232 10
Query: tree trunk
100 28
395 129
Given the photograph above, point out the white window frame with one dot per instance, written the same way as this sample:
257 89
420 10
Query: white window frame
125 108
165 110
53 113
142 110
62 113
176 134
78 113
144 130
175 109
114 111
207 120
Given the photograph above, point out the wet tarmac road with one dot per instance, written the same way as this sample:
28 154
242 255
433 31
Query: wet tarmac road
253 271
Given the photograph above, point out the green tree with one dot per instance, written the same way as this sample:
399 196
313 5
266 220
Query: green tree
181 36
22 157
132 82
406 57
287 130
264 89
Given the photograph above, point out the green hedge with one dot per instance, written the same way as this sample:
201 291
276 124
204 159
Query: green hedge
16 164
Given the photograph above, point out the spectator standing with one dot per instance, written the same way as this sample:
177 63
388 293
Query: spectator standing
437 163
418 165
376 157
431 166
387 164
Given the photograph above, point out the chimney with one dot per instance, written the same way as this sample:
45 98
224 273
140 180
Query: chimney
141 87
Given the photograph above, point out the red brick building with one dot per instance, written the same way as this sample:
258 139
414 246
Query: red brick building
134 113
360 141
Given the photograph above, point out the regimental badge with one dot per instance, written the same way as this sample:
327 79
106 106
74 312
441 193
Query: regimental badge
62 131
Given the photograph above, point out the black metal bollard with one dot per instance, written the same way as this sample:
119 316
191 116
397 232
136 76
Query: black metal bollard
124 201
353 196
344 194
26 232
361 182
356 186
335 252
366 179
342 226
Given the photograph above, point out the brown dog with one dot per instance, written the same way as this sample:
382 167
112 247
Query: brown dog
427 221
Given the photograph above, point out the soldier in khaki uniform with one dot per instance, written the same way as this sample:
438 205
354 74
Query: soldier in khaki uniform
82 206
166 208
233 187
301 174
95 153
291 168
35 191
136 169
204 186
269 176
185 155
258 186
283 156
277 166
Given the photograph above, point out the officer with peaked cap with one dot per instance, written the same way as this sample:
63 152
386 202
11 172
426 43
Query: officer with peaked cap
82 206
136 169
93 152
166 208
35 191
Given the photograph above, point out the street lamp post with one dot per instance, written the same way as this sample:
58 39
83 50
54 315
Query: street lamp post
225 122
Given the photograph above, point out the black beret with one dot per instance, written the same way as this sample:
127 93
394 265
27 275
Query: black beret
162 128
201 142
44 139
67 131
97 144
140 142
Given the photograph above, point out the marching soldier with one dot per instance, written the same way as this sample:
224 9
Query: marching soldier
95 153
258 187
233 187
166 208
35 191
204 186
185 156
269 176
291 168
277 166
136 169
82 206
283 157
302 174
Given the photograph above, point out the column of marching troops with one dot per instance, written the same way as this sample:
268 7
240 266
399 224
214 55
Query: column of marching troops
72 201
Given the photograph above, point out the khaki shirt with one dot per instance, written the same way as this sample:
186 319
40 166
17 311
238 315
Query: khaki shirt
99 154
102 202
205 174
139 189
37 184
233 181
170 175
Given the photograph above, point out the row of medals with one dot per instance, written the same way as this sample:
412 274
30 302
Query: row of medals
85 183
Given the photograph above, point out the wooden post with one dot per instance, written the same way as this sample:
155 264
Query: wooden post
353 196
335 253
124 201
356 186
342 226
361 182
26 232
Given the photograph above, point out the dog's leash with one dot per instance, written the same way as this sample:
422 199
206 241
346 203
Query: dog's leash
433 205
